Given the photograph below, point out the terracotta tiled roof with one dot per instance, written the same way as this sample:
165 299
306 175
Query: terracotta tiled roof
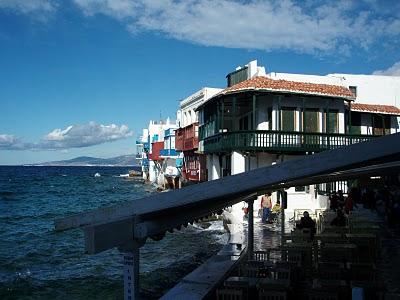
268 84
376 108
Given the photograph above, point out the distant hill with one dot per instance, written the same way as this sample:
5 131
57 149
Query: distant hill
124 160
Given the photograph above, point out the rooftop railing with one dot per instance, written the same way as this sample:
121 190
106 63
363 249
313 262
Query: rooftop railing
279 141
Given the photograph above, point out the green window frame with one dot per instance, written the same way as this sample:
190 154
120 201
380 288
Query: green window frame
288 119
332 121
311 120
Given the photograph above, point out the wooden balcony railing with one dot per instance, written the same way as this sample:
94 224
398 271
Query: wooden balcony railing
279 141
186 139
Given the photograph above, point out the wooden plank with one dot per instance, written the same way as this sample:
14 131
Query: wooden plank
384 148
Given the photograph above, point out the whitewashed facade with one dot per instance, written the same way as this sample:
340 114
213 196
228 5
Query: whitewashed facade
251 129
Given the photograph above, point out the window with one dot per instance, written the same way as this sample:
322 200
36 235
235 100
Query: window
388 124
332 124
311 120
353 89
237 76
378 125
355 127
381 124
244 123
288 119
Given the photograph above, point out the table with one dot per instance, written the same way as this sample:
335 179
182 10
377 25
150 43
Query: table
241 282
274 284
328 283
338 252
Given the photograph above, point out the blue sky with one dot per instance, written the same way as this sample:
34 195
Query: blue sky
82 77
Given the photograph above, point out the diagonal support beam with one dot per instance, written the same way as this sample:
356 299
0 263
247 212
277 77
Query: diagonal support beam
205 198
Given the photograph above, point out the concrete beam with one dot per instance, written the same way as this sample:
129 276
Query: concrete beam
202 199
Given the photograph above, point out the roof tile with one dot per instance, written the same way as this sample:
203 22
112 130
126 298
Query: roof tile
375 108
268 84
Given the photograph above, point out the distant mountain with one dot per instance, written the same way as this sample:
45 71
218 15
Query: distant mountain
124 160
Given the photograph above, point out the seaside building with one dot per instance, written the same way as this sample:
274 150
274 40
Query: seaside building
158 155
142 150
262 119
193 164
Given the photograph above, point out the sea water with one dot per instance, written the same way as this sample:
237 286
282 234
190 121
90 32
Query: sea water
38 263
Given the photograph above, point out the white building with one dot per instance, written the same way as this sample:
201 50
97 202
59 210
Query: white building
193 167
260 120
154 141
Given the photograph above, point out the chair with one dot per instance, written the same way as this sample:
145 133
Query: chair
329 272
254 269
323 295
229 294
282 273
294 257
391 296
264 294
261 255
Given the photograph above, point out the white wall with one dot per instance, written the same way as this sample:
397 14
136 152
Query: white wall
320 79
238 163
373 89
187 112
216 168
152 171
395 124
209 163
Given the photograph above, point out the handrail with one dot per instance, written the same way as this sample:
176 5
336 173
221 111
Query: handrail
272 140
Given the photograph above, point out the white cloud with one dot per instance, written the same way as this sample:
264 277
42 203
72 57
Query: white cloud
391 71
117 8
74 136
265 25
77 136
8 141
29 6
327 27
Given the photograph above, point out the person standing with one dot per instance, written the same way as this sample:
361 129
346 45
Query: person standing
266 204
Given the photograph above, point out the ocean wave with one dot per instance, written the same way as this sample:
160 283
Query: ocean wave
6 193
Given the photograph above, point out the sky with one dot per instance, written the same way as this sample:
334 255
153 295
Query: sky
83 77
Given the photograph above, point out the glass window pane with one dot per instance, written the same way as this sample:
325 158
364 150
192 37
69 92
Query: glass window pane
288 119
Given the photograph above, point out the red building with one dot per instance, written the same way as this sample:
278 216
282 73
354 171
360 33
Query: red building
156 147
194 164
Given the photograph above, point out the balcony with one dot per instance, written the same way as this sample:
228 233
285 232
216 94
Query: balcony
155 150
168 152
186 138
146 146
279 141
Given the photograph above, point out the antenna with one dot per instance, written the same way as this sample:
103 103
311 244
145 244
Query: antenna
160 117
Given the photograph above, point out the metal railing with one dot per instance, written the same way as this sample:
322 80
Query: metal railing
168 152
263 140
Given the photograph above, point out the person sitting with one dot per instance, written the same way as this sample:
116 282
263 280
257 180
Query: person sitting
277 207
340 219
340 198
307 222
334 199
349 203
